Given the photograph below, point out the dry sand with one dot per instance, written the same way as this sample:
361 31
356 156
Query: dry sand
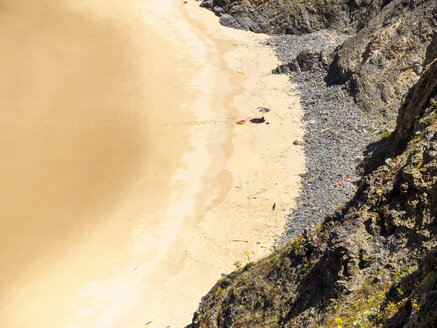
127 186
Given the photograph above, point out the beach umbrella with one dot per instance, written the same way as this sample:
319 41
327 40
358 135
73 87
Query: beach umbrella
263 110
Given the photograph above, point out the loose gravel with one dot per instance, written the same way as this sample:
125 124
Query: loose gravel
338 134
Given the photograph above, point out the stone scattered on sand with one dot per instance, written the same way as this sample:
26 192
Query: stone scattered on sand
336 134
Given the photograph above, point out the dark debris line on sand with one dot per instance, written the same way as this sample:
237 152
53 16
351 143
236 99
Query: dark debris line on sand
337 134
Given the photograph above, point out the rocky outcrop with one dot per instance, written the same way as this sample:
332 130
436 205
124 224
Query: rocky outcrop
414 107
306 61
293 16
396 39
372 264
383 60
407 124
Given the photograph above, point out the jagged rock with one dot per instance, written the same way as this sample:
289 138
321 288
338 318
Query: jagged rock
381 62
413 107
305 61
218 10
207 3
292 16
228 20
308 59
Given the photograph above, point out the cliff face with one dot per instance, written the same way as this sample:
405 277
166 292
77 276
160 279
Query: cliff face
383 60
373 264
396 39
293 16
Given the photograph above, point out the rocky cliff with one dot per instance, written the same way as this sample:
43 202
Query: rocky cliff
293 16
374 262
384 59
393 44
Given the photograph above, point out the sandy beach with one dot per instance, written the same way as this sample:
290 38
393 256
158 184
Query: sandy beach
128 186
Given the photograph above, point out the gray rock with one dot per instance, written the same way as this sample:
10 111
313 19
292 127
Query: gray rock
295 17
417 68
228 20
207 3
387 54
218 11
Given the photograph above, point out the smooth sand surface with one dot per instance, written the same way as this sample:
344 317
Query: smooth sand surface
127 186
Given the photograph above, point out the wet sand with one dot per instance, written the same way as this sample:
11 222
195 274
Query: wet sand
127 186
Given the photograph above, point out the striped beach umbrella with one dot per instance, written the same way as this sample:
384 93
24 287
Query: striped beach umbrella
263 110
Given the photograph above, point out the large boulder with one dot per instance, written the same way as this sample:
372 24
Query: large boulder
381 62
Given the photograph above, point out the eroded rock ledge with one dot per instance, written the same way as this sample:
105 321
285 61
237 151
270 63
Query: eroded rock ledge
294 17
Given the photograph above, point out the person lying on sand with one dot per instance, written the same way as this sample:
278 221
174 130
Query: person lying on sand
258 120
